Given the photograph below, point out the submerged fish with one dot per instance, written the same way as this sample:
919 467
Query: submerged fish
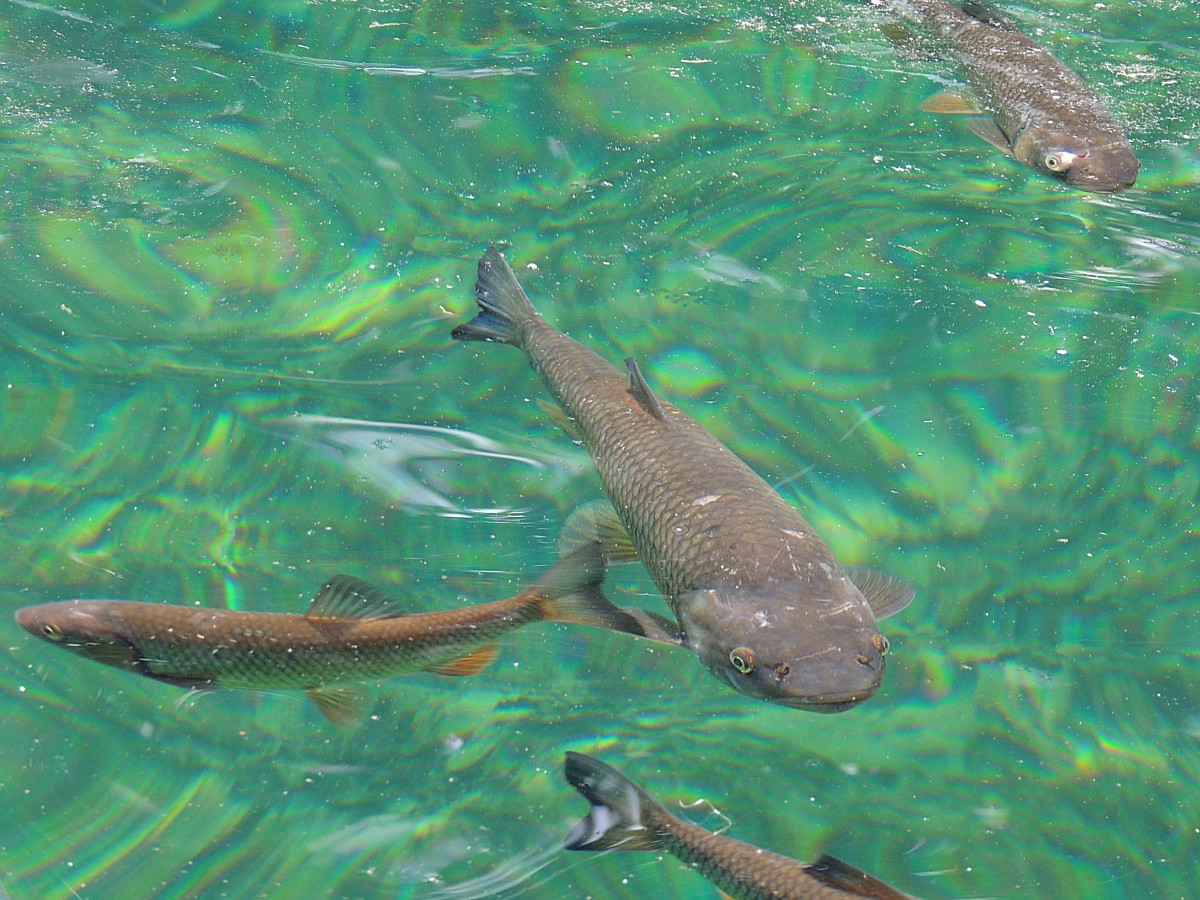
351 633
1041 112
625 817
756 592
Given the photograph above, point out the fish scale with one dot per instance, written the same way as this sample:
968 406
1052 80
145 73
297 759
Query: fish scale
351 633
749 537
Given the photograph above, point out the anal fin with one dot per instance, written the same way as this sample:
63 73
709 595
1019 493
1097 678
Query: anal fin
341 704
471 663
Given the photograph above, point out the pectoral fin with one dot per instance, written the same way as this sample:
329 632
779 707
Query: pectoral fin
886 594
341 704
597 522
990 132
950 103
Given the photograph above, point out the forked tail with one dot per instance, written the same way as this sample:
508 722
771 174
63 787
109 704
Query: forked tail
504 308
617 820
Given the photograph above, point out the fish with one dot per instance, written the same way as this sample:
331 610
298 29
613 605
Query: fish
353 632
755 591
1030 105
625 817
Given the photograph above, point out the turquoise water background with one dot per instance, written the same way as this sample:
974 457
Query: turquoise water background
235 238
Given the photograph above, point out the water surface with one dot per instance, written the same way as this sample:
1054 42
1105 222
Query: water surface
236 237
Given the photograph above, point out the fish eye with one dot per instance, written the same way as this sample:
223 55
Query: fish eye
881 644
1054 162
52 632
743 659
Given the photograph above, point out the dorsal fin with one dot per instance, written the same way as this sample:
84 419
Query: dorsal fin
845 877
347 597
641 391
597 522
988 14
886 594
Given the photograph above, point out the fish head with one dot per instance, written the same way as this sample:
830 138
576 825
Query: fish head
88 628
1103 163
816 656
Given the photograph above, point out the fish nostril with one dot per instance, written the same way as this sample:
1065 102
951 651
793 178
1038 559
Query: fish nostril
864 659
782 670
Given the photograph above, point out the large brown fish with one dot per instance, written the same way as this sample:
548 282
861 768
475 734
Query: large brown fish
352 633
625 817
757 593
1041 112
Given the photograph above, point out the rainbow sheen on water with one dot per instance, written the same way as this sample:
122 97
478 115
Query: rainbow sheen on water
236 238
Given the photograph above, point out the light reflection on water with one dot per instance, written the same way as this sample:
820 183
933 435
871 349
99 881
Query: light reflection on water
235 243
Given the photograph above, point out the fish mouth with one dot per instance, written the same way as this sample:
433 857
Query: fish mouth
830 703
1101 186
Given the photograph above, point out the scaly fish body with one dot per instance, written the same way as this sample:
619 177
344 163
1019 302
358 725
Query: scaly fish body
756 591
625 817
352 633
1047 117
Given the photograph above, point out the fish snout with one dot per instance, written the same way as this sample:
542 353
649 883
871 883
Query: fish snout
1103 170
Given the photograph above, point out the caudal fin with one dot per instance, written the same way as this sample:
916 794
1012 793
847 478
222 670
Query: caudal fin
570 592
504 308
617 820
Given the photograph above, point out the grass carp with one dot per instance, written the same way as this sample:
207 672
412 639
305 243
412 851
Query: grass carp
1030 105
756 592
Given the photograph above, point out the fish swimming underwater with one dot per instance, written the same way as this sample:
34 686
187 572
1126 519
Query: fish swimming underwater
1041 112
351 633
625 817
756 592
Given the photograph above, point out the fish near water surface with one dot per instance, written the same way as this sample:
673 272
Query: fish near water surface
756 592
625 817
1041 112
351 633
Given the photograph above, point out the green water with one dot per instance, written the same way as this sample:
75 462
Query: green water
235 237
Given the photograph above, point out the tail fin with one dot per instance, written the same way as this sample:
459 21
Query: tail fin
570 592
504 308
617 820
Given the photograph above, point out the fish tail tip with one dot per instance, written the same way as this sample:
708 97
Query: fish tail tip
503 306
616 820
